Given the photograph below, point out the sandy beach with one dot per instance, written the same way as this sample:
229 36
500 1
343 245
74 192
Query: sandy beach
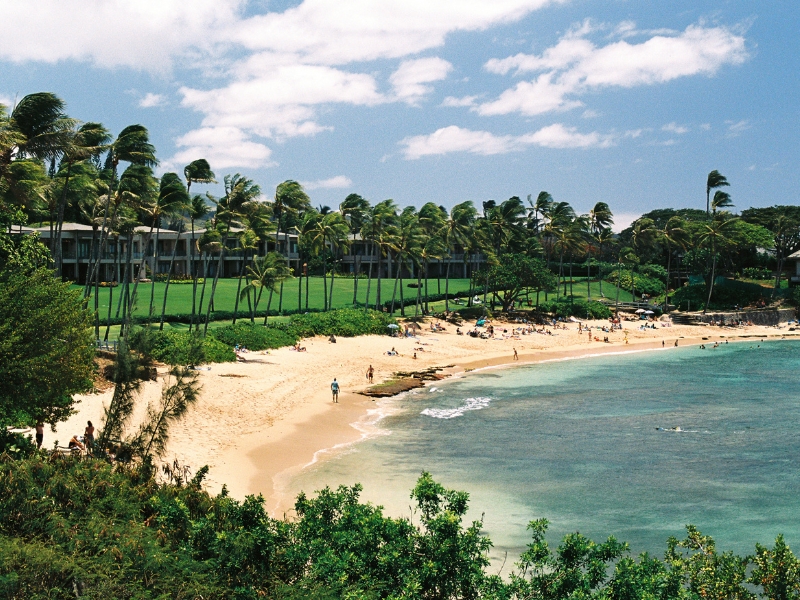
258 422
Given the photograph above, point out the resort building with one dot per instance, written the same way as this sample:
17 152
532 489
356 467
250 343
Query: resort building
80 245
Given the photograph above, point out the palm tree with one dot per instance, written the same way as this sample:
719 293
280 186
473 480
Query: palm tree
715 234
305 241
290 200
87 142
353 209
198 171
432 221
132 146
266 272
247 240
456 232
407 242
602 238
672 233
172 199
376 220
643 235
210 241
239 192
197 210
600 218
715 180
330 229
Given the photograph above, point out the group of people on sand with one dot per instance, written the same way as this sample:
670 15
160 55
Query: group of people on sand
79 442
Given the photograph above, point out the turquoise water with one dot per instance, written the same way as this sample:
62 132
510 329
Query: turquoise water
577 442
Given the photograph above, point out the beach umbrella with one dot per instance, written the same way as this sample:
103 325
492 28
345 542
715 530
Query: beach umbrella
639 311
649 312
392 326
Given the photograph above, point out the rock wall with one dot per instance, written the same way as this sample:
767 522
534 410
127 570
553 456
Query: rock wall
757 317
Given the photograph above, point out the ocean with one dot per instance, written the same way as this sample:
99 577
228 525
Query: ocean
634 445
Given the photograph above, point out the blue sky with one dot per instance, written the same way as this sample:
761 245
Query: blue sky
627 102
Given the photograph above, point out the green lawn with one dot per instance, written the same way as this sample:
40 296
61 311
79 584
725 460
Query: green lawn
180 295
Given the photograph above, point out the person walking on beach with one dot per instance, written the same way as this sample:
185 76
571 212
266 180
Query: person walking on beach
88 435
516 356
39 434
370 373
335 390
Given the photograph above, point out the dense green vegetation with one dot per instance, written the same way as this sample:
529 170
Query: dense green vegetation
84 528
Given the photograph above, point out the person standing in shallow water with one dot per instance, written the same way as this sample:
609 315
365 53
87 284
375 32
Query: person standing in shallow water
335 390
370 373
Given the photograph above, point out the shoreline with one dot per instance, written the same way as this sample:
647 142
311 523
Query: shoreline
280 500
260 422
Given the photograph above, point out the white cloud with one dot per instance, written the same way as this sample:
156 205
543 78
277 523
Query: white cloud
111 33
6 101
410 78
339 181
737 127
456 139
675 128
590 114
576 66
624 220
150 100
705 126
281 103
452 101
558 136
222 147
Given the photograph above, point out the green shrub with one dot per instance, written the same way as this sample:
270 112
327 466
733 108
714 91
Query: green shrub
255 336
577 308
180 347
346 322
726 295
756 273
644 284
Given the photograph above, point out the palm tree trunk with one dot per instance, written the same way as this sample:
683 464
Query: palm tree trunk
193 268
239 288
711 285
619 276
126 326
324 278
380 276
300 288
666 288
447 288
778 275
156 256
269 304
333 274
426 285
588 280
369 277
57 253
166 287
216 279
356 269
125 297
306 292
111 291
206 260
394 290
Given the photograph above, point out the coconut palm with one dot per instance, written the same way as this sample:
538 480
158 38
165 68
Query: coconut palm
133 146
457 231
247 240
266 272
715 180
290 200
210 242
432 221
714 235
353 209
330 230
307 245
376 221
197 210
407 243
539 211
673 234
643 235
239 192
172 199
198 171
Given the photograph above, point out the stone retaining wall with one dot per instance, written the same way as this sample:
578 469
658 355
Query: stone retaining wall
757 317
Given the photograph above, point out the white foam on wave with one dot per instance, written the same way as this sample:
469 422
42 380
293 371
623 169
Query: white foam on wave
451 413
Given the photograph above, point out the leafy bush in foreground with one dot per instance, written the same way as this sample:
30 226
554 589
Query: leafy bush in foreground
84 528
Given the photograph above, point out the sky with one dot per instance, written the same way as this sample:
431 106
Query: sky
629 102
